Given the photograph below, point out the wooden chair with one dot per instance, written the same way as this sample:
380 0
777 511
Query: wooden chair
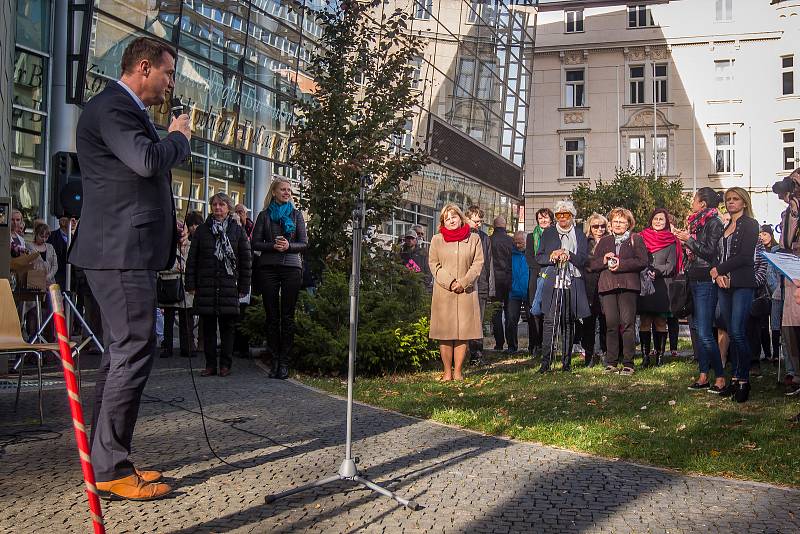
11 341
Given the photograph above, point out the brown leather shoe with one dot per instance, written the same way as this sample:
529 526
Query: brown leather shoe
208 371
149 476
224 371
132 488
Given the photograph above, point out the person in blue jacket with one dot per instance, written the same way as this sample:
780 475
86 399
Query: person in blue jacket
518 296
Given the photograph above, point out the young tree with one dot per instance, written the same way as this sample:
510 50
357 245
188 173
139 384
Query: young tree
640 194
356 120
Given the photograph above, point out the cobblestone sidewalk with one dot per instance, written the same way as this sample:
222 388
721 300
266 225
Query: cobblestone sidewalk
284 435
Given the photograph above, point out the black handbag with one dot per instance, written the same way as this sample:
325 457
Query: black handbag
170 290
762 304
680 297
646 281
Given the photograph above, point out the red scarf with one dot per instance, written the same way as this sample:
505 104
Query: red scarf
656 240
459 234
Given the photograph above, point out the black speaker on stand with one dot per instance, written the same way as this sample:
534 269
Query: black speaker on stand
66 190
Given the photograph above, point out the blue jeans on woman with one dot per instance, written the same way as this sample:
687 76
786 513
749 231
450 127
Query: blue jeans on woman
734 305
704 297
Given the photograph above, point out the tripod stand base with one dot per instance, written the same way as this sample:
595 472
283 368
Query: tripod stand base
347 471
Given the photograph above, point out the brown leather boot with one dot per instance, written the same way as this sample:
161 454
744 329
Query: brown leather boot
132 488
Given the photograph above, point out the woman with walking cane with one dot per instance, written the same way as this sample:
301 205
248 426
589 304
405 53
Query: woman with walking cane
563 252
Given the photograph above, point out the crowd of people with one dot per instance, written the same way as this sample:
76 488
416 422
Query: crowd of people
221 260
604 289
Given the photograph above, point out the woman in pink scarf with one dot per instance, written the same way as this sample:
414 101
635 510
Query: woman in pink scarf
666 258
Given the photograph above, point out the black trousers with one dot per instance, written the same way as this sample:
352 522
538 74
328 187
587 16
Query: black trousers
280 288
558 339
185 329
227 325
241 341
588 332
476 345
127 301
620 309
497 323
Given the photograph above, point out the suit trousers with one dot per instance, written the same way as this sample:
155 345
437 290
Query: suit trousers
498 328
476 345
127 300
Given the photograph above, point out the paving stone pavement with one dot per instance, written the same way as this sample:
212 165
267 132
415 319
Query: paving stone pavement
285 435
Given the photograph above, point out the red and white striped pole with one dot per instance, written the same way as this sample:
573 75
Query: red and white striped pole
75 407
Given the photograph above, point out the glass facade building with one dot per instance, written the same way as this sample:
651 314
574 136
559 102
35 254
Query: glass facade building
242 63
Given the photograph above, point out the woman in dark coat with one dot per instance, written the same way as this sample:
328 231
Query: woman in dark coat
620 257
562 243
666 257
280 238
218 275
701 239
544 218
596 228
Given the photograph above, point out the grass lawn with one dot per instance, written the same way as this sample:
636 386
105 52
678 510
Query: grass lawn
650 417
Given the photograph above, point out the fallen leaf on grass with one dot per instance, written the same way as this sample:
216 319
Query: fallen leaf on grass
714 452
592 403
643 407
672 403
681 427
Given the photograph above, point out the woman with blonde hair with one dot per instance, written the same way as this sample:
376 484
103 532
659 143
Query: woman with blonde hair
280 238
734 272
455 258
595 227
620 257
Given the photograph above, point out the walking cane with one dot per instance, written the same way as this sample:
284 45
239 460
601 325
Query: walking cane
75 407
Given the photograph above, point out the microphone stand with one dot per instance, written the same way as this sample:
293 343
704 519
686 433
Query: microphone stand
348 469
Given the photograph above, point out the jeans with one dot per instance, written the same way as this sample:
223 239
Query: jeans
512 322
704 297
619 308
734 307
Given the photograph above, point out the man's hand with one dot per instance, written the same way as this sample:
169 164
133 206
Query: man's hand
181 124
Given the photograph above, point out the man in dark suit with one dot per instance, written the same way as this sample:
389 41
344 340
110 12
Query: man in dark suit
502 245
126 234
59 240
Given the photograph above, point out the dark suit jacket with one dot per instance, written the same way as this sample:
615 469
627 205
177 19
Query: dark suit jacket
128 215
502 245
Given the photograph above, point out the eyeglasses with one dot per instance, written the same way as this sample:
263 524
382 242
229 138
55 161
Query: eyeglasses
563 215
598 226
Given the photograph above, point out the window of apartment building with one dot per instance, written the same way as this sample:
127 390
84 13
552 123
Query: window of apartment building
789 156
482 11
723 74
416 75
787 74
726 151
466 77
636 154
639 16
574 94
574 20
660 82
575 151
637 84
662 154
423 9
724 10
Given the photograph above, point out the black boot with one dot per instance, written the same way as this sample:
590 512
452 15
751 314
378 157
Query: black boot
645 338
659 344
547 355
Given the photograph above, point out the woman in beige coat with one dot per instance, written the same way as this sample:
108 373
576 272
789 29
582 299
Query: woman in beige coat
455 257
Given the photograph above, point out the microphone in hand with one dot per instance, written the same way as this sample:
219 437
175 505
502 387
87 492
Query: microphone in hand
180 120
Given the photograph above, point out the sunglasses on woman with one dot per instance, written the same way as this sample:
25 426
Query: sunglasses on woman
598 226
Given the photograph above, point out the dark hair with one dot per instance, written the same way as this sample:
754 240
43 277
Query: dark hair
39 228
145 48
767 228
545 211
193 218
656 211
709 196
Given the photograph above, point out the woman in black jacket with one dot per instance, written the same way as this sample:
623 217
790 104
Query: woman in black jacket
596 228
701 240
218 275
734 274
280 238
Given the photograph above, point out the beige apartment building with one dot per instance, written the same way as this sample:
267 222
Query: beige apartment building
706 91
